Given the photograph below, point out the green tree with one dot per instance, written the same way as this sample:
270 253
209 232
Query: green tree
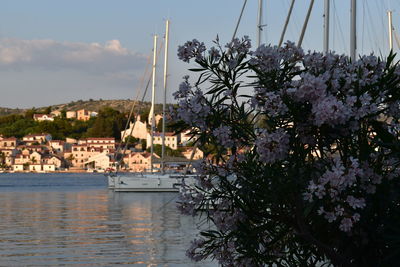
108 123
168 151
29 113
144 114
131 140
169 126
63 114
143 142
47 110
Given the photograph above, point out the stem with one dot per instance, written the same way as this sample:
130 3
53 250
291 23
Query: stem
335 258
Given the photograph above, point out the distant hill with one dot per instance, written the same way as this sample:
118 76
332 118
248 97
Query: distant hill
92 105
9 111
96 105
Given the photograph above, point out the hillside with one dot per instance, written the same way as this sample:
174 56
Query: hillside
92 105
9 111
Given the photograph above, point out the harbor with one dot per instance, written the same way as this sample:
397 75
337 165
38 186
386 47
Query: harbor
74 220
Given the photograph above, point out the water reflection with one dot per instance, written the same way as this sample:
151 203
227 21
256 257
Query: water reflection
92 227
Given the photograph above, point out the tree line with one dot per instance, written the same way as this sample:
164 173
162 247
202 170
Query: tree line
108 123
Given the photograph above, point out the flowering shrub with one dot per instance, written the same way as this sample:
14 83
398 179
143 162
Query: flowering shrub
304 158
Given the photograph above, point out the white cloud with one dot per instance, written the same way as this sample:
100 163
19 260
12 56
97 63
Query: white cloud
94 58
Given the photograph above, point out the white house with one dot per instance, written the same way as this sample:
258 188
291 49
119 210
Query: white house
138 129
43 117
40 138
101 161
171 140
71 114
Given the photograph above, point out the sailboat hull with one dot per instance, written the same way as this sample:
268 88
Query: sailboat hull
148 183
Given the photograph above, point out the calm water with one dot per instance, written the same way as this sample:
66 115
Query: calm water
73 220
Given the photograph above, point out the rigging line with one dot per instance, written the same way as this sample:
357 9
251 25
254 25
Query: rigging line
339 27
295 28
290 29
133 107
374 32
363 27
372 36
396 37
137 93
238 22
305 23
333 39
144 95
265 22
384 33
286 23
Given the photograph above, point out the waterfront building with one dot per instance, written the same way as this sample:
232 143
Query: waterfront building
187 153
56 161
36 138
82 153
186 137
56 146
8 143
139 161
171 140
100 162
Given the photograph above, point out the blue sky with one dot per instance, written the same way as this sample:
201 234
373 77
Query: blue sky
57 51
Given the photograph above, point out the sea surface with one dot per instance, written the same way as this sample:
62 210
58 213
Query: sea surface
74 220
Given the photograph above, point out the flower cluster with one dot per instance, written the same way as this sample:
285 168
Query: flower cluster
273 146
237 46
193 106
223 134
191 49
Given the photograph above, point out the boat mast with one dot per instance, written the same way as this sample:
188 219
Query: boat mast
326 27
303 30
389 13
353 30
153 98
165 94
286 23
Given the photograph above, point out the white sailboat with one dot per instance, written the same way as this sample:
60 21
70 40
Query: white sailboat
152 181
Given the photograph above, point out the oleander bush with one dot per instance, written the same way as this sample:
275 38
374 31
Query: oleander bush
305 163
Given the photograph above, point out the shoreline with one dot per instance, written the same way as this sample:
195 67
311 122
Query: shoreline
74 171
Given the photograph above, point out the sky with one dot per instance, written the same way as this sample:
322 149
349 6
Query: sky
54 52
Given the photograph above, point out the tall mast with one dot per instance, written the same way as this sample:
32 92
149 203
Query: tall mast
326 27
165 93
259 19
303 30
353 30
153 99
286 23
390 30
